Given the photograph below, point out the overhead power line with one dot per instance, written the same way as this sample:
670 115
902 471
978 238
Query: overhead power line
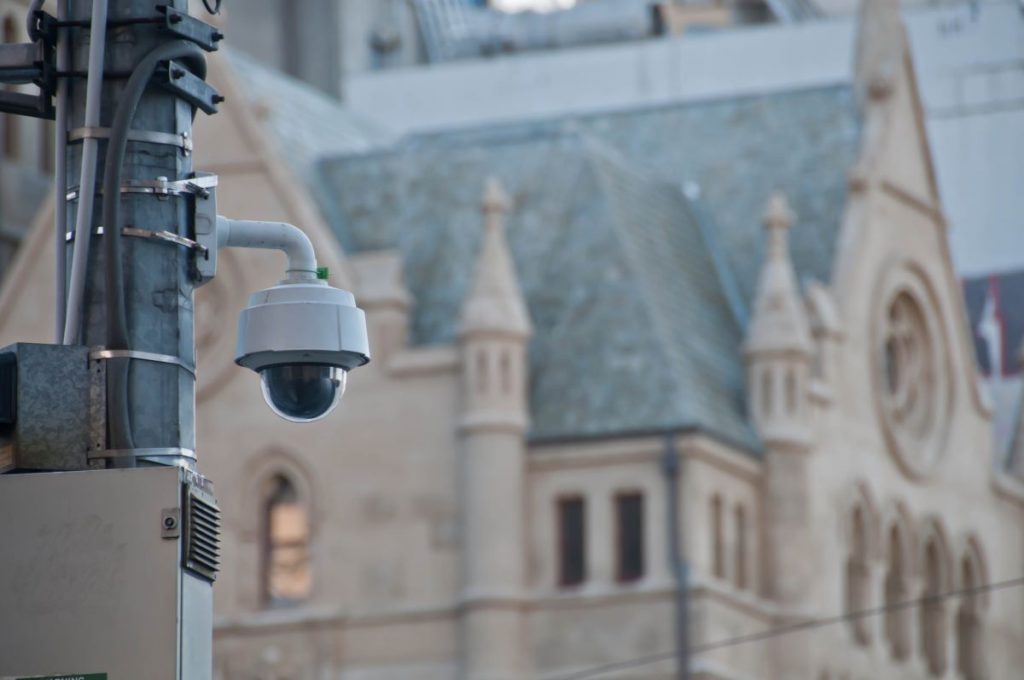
786 630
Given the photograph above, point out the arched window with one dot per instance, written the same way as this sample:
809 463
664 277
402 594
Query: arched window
970 651
767 405
481 371
790 392
858 577
717 539
741 547
506 372
287 576
896 621
11 143
932 610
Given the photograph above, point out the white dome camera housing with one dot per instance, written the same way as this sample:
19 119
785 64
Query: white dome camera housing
302 338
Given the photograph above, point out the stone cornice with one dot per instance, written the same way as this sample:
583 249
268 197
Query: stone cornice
420 361
308 617
485 420
642 448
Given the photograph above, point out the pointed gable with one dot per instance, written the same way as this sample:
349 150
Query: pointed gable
897 151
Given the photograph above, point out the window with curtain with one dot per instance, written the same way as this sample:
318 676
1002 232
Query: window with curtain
287 576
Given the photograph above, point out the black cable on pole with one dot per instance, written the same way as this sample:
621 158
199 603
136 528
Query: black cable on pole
212 10
116 308
786 630
117 322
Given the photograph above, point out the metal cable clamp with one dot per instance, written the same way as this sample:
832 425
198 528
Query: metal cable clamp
182 140
161 235
104 354
162 187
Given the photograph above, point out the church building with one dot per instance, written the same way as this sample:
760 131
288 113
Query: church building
725 332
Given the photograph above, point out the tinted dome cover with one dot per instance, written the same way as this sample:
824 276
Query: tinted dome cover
302 392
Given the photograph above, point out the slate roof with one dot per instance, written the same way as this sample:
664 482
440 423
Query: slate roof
304 122
633 327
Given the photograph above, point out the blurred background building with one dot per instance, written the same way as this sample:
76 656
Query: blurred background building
774 242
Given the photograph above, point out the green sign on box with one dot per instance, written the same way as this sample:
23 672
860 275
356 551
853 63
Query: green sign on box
72 676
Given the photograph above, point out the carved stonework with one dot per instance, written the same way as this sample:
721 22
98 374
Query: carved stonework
911 376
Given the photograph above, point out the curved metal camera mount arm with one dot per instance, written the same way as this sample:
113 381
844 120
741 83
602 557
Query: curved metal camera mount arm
282 236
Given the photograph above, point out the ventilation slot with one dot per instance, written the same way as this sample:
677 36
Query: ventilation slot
202 534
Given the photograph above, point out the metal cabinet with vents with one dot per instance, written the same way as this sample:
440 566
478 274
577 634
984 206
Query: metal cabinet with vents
108 574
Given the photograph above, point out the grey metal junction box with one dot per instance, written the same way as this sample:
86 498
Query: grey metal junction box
107 573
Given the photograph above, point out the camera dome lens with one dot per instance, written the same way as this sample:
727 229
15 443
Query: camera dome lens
302 392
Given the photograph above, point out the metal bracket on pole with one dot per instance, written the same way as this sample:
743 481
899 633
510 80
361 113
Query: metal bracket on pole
190 87
188 27
204 222
26 63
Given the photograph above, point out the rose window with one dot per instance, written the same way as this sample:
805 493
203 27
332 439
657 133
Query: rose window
912 374
909 370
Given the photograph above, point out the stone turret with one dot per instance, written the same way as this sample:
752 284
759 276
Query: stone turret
779 355
778 349
386 300
493 333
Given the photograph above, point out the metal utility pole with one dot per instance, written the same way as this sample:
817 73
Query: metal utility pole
109 571
108 568
138 290
680 571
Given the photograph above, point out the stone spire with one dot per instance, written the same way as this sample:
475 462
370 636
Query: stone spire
779 322
494 302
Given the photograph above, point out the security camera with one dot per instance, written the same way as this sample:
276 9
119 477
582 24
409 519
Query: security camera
302 339
302 336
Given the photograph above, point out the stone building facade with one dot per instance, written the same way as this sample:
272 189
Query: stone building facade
758 287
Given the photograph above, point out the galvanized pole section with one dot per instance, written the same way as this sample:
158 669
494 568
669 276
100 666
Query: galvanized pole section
159 403
680 572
